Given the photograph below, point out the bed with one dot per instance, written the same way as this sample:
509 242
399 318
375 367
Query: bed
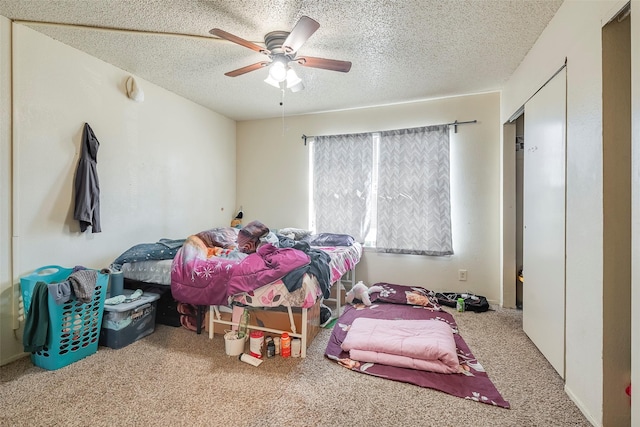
293 275
438 359
206 270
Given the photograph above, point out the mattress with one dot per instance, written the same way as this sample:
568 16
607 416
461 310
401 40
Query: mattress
154 271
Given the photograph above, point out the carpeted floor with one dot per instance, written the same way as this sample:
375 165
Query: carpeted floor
175 377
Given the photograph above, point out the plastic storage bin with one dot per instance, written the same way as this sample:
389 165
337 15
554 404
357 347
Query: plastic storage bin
74 327
127 322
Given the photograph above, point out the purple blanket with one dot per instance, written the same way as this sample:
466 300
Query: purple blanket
473 383
199 278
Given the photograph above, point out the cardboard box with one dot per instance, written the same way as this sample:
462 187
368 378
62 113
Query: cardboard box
274 318
331 301
334 290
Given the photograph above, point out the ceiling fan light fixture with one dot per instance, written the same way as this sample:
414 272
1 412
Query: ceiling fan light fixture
269 80
292 78
282 48
278 71
293 81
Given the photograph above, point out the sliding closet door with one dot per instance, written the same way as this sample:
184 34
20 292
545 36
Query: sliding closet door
544 220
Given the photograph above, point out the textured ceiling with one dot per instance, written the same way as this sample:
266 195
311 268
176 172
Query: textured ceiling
401 50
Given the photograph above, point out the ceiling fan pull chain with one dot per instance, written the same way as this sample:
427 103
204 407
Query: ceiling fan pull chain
282 105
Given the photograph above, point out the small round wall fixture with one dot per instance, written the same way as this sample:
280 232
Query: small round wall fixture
134 91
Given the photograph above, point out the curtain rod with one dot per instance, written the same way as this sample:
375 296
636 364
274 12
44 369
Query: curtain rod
454 124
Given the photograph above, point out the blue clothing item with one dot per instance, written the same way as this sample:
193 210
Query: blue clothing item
87 187
163 249
60 292
319 266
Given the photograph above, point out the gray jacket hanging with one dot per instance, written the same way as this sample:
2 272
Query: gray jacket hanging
87 187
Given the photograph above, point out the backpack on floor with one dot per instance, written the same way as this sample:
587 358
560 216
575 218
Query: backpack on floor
472 302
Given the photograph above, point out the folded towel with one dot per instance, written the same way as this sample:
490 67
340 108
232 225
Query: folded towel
118 299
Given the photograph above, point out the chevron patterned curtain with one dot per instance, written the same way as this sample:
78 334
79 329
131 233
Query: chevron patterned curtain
413 204
342 170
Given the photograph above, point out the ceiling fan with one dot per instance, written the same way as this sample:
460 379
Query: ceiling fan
282 48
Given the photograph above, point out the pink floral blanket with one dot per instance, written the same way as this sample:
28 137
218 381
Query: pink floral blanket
201 279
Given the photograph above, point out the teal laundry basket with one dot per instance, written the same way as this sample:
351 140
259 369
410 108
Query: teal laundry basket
74 327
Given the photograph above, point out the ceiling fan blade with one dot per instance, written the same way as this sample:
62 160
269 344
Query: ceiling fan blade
248 68
327 64
242 42
301 32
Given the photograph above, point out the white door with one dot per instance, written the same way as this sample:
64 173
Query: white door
544 220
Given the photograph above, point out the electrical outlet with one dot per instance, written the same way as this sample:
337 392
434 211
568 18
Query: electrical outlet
462 275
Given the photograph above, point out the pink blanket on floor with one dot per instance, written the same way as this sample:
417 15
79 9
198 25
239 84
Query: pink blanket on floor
426 345
472 383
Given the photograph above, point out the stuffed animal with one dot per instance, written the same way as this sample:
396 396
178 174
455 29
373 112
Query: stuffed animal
358 291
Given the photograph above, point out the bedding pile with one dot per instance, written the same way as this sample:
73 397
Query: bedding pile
249 266
201 279
406 336
255 266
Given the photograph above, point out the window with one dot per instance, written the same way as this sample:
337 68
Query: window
390 190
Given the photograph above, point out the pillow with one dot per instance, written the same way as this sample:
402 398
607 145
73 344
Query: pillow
249 236
330 239
221 237
294 233
408 295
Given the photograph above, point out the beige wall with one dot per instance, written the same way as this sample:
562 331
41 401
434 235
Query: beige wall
6 295
166 166
575 33
273 185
